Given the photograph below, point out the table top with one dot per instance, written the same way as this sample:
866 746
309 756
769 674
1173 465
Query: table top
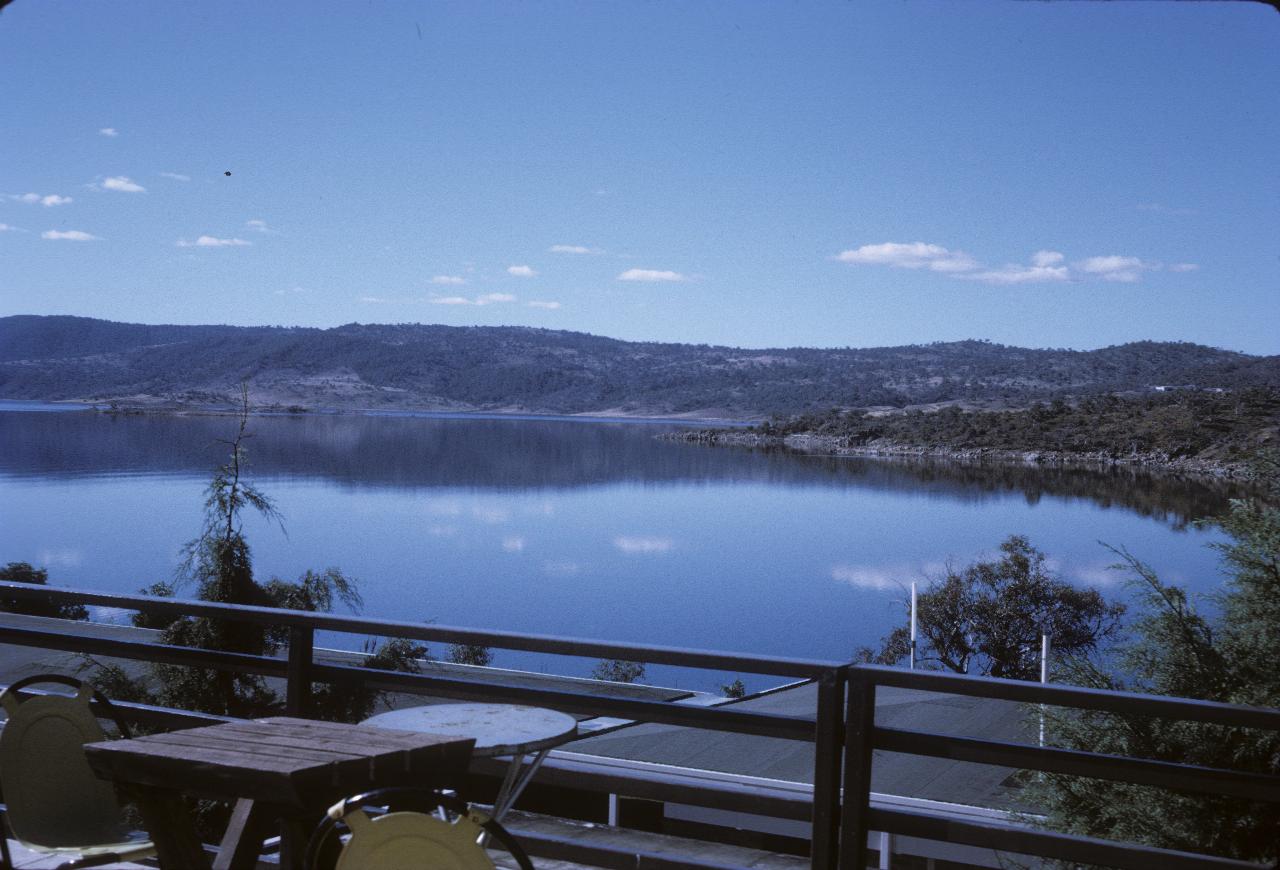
281 760
498 729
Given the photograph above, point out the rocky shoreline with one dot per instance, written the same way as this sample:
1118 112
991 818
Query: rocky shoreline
884 448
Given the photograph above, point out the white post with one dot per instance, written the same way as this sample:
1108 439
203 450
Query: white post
886 851
1044 677
913 625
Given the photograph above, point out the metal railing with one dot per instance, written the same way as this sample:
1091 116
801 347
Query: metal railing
842 727
864 736
299 670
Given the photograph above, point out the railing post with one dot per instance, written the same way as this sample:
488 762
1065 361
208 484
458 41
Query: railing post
827 756
298 680
860 721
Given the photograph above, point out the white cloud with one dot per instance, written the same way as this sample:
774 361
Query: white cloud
561 569
513 544
110 132
863 577
910 255
1098 574
521 271
448 279
632 545
1046 266
46 200
123 184
295 290
176 176
573 249
651 275
373 300
260 226
1112 263
1016 274
212 242
1115 268
10 228
1184 267
486 299
69 235
549 306
888 577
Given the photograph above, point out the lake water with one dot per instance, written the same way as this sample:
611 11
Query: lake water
593 529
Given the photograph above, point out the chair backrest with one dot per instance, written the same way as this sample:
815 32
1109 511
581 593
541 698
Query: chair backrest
53 797
405 839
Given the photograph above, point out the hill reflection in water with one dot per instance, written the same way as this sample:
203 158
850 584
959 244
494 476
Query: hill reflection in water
533 454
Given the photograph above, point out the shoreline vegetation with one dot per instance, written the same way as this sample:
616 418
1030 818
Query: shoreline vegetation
1187 431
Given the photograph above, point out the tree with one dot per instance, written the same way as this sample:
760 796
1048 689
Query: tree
470 654
1175 649
24 572
618 671
988 618
218 562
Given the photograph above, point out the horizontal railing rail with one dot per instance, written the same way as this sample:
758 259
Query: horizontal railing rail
539 643
144 714
1079 697
1049 759
1016 840
864 736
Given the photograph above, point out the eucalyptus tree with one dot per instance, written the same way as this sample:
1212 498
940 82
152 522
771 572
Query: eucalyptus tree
988 617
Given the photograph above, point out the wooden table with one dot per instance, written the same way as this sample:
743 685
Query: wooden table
499 730
280 771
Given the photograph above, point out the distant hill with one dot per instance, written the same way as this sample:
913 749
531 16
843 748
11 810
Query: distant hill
538 370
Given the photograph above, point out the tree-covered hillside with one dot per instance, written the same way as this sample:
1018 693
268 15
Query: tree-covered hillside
1179 424
518 368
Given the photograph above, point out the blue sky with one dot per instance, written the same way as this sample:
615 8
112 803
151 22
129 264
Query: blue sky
764 174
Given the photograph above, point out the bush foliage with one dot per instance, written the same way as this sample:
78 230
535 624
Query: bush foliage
1224 652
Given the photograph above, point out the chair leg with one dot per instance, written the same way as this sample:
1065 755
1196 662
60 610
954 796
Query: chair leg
6 860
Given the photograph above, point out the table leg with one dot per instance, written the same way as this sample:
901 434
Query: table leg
514 783
294 834
250 824
170 827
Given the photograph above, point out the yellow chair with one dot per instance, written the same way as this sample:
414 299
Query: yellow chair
54 802
420 829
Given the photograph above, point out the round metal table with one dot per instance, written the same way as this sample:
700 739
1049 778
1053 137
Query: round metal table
499 730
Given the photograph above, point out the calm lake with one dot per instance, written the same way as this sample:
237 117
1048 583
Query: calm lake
593 529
